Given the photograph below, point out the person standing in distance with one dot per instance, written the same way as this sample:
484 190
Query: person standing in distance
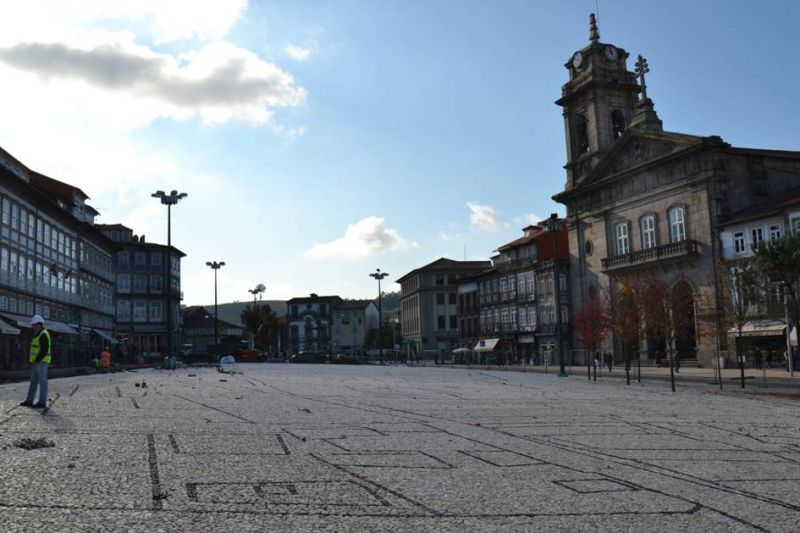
39 358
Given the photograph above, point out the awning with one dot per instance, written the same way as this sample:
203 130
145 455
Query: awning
486 345
105 336
52 325
21 321
60 327
760 328
8 329
461 350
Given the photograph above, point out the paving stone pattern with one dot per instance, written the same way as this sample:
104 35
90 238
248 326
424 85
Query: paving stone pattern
332 448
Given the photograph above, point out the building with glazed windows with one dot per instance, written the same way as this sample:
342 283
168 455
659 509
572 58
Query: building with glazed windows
53 262
148 281
644 201
352 322
429 306
309 320
517 297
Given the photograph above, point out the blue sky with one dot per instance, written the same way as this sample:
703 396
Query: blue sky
320 140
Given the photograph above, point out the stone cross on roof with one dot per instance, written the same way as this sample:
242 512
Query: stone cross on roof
640 70
594 34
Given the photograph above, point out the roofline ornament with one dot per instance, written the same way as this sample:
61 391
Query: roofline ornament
594 34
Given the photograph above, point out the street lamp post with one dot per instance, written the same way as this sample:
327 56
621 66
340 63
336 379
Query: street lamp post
216 266
256 291
554 226
788 330
379 276
169 200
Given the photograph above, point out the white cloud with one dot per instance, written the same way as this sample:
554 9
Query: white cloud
366 237
297 53
163 21
483 217
451 237
218 82
527 219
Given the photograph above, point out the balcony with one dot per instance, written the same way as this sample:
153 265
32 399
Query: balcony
526 297
673 250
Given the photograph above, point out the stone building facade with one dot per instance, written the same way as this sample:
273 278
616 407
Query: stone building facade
520 299
643 200
429 306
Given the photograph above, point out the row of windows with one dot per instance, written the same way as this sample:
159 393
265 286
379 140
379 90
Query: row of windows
140 284
99 260
649 230
143 311
758 234
24 267
410 314
441 321
139 259
322 309
21 226
451 298
525 317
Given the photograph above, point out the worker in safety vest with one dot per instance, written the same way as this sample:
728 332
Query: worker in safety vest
39 357
105 359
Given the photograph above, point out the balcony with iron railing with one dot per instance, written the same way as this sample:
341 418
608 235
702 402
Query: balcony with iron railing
673 250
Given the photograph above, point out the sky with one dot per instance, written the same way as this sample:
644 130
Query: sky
321 140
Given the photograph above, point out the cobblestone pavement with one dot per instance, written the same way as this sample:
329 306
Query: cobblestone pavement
331 448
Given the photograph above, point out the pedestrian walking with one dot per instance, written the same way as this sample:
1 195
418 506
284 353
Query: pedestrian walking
609 361
39 358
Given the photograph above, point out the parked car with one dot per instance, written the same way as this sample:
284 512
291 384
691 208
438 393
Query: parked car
246 355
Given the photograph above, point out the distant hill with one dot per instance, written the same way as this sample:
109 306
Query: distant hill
230 312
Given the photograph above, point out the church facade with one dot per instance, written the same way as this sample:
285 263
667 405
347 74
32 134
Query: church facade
642 200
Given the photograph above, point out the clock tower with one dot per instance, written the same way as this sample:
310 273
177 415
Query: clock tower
598 102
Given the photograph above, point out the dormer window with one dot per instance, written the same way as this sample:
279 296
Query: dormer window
617 124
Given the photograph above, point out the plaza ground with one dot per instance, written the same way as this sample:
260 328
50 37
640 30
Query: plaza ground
279 447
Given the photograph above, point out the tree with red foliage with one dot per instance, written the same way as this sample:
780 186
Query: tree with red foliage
667 311
625 318
591 324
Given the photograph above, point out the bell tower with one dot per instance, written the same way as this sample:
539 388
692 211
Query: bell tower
598 102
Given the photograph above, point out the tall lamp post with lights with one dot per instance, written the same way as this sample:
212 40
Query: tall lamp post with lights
215 266
169 200
554 225
256 291
379 276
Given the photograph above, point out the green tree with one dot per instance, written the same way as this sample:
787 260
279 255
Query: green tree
262 323
779 262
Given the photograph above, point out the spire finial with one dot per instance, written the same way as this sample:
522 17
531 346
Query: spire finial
641 69
594 35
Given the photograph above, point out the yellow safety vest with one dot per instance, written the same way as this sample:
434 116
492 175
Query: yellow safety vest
35 348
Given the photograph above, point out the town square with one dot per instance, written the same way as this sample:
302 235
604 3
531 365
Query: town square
349 265
279 447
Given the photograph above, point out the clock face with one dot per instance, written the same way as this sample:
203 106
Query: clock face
577 59
611 52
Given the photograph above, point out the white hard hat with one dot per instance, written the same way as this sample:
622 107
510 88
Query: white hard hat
37 319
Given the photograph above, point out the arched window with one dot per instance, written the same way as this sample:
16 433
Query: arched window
648 231
617 124
582 135
621 232
677 224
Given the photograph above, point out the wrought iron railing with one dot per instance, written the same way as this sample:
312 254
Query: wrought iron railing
640 257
